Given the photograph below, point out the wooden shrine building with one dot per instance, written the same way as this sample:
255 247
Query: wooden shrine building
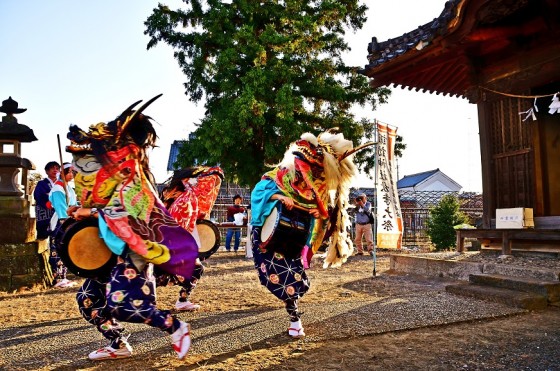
504 56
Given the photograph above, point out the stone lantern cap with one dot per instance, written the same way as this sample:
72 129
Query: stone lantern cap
10 106
9 127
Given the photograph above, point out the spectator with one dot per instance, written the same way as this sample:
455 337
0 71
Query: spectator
43 208
61 197
363 224
236 208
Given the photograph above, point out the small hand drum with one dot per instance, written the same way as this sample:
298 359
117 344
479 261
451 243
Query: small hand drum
209 236
286 231
82 250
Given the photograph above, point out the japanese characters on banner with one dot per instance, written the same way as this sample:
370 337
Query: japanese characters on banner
389 217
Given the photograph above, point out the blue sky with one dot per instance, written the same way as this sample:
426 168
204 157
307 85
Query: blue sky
84 62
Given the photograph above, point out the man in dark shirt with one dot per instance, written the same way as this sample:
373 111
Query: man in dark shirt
236 208
43 209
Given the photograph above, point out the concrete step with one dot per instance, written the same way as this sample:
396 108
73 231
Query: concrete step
548 289
509 297
461 270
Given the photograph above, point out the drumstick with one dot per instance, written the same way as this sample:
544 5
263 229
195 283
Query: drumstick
63 176
301 208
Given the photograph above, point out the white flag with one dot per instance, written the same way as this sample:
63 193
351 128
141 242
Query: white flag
389 217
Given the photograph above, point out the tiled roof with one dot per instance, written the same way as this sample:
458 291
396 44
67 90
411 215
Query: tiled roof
381 52
472 44
414 179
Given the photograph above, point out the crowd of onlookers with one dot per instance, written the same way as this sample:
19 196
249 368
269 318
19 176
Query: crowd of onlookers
53 195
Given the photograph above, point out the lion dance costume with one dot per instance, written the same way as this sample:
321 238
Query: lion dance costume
315 173
190 196
113 177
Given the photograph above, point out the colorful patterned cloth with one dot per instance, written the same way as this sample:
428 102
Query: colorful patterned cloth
190 195
130 207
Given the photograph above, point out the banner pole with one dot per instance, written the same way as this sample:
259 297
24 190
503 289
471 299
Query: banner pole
63 176
376 140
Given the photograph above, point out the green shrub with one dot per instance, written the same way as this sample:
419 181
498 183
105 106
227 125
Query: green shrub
441 220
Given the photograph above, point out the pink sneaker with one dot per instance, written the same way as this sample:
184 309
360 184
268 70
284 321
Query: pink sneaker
181 340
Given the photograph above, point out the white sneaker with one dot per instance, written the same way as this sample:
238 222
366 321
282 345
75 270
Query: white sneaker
181 340
186 305
109 352
70 283
296 330
63 283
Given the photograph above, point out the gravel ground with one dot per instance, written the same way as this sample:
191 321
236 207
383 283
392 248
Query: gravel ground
352 320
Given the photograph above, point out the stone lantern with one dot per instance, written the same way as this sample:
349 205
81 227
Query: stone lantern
12 135
21 257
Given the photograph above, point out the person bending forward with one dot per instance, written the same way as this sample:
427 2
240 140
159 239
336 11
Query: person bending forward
314 176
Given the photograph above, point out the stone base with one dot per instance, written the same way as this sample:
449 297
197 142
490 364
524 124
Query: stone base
15 220
17 230
25 265
15 206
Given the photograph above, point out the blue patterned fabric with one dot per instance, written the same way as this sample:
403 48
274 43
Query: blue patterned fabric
93 307
284 278
129 296
43 211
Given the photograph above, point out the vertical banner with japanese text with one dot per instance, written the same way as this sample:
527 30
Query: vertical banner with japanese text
389 218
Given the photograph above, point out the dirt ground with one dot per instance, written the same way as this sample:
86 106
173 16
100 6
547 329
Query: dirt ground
528 341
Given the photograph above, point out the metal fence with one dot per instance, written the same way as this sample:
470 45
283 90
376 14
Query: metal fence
415 209
225 199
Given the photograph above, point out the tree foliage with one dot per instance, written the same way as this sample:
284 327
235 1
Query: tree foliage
269 70
32 179
400 146
443 217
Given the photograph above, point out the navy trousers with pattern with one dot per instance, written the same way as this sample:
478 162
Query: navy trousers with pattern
128 296
285 278
187 286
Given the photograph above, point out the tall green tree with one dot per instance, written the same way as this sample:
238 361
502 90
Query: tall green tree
269 70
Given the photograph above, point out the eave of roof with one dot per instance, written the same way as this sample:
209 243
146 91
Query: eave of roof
382 52
472 43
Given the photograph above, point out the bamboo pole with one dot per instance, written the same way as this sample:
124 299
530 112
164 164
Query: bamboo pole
63 176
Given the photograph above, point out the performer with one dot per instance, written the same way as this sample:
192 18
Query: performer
114 185
190 196
61 196
315 175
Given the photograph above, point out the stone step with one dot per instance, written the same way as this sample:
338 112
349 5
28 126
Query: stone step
509 297
548 289
461 270
539 273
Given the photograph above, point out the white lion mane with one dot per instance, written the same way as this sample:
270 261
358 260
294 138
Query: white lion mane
338 175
